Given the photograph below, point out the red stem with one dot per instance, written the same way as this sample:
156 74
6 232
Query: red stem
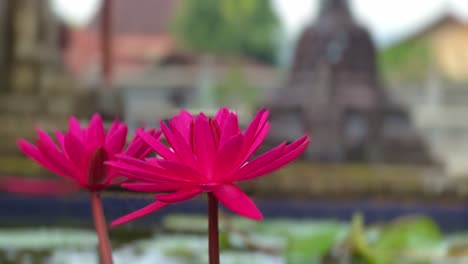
101 229
213 236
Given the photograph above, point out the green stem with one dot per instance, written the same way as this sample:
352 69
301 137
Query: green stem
101 229
213 232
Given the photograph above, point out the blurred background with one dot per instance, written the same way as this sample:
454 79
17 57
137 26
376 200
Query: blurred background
381 87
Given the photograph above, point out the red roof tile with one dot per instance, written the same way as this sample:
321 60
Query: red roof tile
141 16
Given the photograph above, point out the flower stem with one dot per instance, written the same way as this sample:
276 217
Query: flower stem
101 229
213 236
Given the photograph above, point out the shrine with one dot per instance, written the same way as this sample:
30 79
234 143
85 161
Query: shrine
334 93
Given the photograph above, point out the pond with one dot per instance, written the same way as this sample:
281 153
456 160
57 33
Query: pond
70 246
181 239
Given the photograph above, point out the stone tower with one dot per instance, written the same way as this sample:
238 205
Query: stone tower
333 92
29 52
35 88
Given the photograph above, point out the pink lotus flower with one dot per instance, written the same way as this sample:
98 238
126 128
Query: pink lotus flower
80 158
82 152
205 155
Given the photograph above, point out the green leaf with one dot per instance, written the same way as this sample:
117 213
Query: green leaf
228 27
417 232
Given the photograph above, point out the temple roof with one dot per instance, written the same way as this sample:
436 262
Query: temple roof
142 16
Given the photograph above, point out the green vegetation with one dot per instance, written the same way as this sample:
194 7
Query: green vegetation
411 240
234 89
309 244
409 232
302 241
228 27
406 61
415 239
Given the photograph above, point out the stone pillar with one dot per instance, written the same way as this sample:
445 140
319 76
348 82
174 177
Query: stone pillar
6 43
25 66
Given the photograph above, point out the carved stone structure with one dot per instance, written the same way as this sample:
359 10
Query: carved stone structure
35 88
333 93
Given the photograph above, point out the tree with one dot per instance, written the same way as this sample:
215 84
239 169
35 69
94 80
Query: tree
228 27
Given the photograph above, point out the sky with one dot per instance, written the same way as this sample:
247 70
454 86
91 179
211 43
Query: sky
387 20
75 13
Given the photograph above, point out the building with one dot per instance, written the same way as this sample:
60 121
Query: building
439 47
334 93
153 75
140 36
428 71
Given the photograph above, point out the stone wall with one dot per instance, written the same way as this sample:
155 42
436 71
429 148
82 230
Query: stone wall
439 110
36 88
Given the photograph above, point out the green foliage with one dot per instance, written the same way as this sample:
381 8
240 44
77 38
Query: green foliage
224 242
233 27
410 232
358 240
234 89
311 243
405 238
406 61
307 241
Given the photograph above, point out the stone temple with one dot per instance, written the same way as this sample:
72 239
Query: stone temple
333 93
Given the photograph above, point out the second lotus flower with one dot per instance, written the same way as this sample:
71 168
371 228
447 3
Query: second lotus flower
205 155
82 152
